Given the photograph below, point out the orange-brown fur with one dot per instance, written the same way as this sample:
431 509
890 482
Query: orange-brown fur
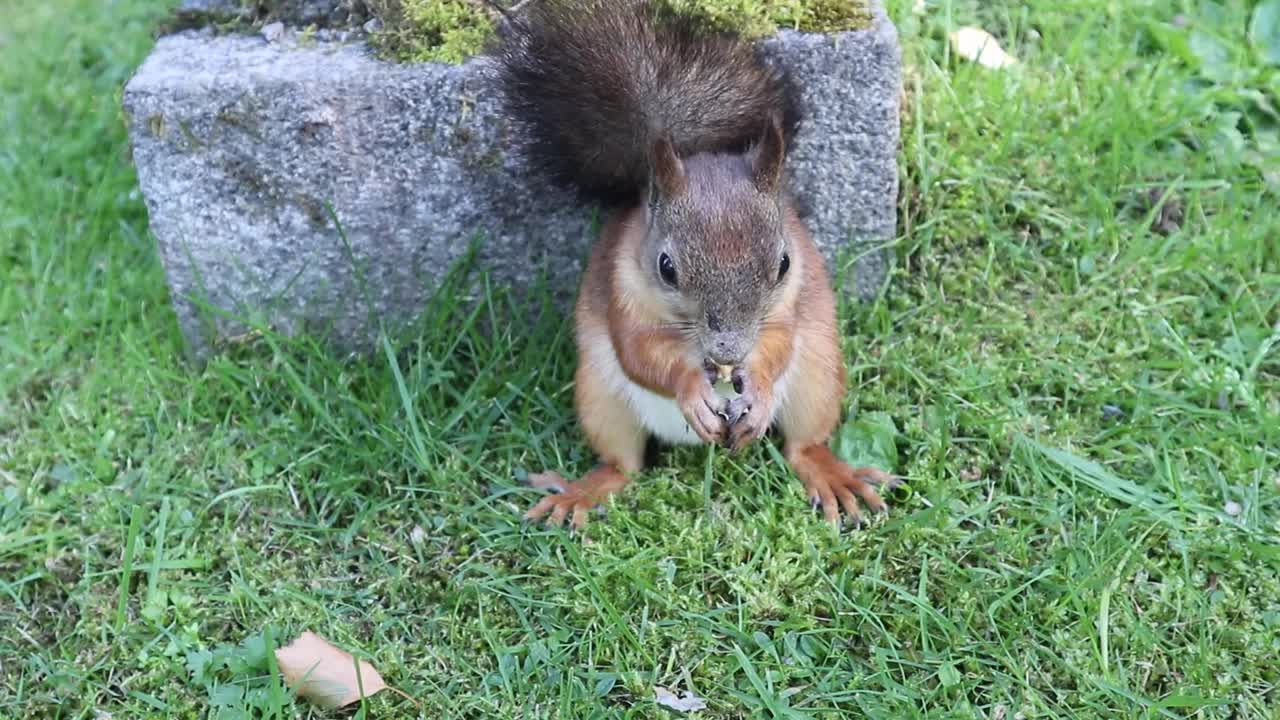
704 264
799 337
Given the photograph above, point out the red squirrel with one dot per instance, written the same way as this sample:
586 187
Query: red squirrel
703 269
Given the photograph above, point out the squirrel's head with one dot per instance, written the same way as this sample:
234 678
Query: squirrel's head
716 250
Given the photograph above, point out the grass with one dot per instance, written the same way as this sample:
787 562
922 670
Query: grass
1087 412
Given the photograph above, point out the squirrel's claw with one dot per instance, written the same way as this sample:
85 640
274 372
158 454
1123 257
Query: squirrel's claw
699 404
750 411
552 481
573 501
836 487
734 409
748 429
556 508
706 422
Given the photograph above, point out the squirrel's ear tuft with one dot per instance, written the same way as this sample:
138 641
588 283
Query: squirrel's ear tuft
767 156
669 178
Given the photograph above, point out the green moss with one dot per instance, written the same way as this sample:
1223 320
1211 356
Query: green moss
453 30
446 31
757 18
450 31
835 15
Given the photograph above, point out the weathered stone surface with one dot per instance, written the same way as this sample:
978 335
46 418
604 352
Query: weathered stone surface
241 145
844 165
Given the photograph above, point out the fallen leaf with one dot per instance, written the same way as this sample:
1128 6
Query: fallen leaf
978 45
868 439
324 674
686 703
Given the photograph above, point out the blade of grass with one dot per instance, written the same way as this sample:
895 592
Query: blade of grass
153 576
126 570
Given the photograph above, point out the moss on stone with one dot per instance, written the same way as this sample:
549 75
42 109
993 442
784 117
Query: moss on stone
450 31
453 30
446 31
758 18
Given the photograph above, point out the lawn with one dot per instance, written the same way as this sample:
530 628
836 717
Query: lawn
1076 369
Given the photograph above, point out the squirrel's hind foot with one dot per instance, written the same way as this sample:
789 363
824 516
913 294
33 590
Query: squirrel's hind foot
578 498
832 484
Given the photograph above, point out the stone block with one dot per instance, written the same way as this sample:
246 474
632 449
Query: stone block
242 146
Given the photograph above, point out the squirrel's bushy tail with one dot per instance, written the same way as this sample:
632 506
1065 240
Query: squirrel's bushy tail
593 84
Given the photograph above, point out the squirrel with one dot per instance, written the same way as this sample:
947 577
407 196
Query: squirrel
704 271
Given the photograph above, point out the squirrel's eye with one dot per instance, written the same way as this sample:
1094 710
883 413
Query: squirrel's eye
667 269
785 266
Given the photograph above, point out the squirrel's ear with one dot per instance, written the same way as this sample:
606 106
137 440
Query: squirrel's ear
668 172
767 156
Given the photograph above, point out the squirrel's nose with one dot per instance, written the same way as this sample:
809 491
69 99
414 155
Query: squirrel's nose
725 351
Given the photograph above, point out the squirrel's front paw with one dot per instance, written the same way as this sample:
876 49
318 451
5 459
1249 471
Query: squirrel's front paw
700 404
751 413
576 498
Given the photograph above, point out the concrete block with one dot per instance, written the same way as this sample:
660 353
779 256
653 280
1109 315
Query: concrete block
243 145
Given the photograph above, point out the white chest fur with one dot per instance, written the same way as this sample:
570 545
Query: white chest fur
657 414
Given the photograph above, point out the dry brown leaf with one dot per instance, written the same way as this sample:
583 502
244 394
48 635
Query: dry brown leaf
325 675
978 45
